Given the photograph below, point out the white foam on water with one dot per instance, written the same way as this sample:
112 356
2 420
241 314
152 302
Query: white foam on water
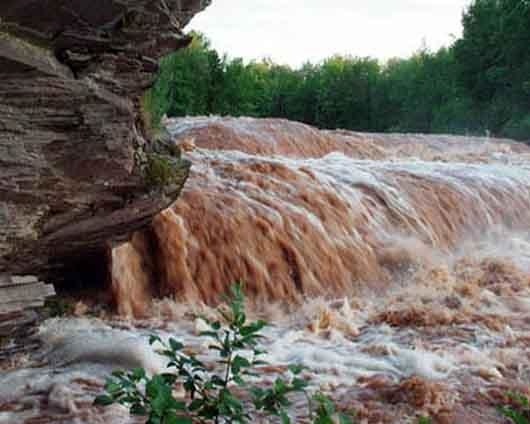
487 187
83 340
338 341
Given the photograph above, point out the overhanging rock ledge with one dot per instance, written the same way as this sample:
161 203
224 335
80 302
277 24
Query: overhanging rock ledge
72 136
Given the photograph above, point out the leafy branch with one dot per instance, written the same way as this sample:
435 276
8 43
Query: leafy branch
211 396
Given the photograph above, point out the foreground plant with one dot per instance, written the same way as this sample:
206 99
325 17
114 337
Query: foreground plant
519 412
224 396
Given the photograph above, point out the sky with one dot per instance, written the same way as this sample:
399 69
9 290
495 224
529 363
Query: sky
295 31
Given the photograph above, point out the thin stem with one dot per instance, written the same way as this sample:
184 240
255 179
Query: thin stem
228 366
310 405
229 361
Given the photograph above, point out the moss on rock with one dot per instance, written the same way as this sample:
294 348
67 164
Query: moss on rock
163 171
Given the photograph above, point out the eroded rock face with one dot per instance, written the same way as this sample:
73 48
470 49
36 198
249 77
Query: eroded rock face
72 141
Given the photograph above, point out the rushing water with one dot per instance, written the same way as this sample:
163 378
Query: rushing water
395 267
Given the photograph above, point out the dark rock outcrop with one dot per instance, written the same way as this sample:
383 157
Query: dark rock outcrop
73 144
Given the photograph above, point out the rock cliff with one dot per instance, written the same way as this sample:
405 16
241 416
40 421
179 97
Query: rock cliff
75 153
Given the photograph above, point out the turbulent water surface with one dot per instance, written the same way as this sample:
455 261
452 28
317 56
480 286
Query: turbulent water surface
396 268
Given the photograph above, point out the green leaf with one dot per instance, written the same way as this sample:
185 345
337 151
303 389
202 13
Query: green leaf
195 404
196 363
175 345
298 384
160 403
169 378
112 387
159 394
257 391
240 318
324 419
253 328
138 409
515 416
238 363
138 374
239 381
175 419
118 373
345 419
217 381
211 334
176 405
103 400
519 398
284 417
324 403
154 339
280 386
296 368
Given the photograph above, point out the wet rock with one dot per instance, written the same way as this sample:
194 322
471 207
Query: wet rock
423 395
72 139
453 302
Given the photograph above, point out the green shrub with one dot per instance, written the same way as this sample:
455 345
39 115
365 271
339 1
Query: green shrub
324 411
58 307
210 395
519 411
150 114
162 170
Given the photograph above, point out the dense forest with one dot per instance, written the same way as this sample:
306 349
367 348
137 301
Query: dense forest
479 85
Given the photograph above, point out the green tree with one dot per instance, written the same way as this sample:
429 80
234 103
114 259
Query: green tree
494 63
480 83
188 83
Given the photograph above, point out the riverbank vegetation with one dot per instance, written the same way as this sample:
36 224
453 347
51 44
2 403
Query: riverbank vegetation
479 85
225 396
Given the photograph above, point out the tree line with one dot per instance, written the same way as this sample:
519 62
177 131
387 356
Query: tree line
479 85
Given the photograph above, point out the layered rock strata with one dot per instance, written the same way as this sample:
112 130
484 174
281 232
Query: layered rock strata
75 153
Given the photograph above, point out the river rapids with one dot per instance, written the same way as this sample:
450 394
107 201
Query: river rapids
394 267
